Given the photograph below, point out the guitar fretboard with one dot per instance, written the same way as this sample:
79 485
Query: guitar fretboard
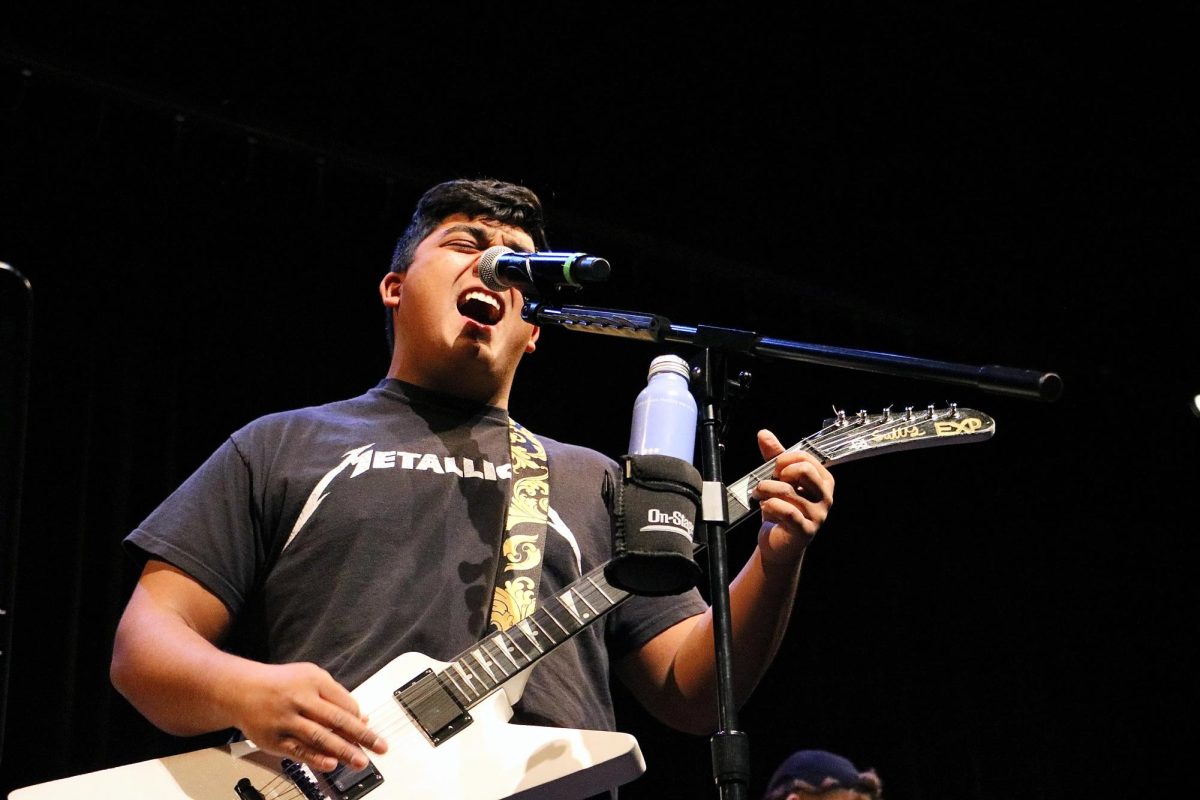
477 672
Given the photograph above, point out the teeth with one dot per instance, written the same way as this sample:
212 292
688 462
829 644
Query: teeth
484 298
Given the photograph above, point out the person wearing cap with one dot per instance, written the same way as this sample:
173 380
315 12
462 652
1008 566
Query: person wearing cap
820 774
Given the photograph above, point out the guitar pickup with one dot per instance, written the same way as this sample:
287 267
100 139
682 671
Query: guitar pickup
429 704
347 783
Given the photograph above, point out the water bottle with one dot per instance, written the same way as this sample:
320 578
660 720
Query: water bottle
664 414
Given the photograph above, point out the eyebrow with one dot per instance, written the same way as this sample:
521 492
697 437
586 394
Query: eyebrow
482 236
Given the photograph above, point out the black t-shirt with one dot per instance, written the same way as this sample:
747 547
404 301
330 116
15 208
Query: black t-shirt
350 533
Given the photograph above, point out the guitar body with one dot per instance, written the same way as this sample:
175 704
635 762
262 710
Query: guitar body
489 759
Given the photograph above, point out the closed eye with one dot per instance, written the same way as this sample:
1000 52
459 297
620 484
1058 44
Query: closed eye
465 237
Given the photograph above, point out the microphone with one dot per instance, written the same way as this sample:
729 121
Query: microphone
501 268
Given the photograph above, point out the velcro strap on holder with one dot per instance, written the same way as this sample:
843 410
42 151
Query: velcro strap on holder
654 516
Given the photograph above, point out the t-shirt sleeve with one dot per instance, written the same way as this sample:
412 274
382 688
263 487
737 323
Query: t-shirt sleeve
208 528
640 619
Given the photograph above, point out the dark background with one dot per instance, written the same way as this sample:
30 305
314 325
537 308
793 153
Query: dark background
204 199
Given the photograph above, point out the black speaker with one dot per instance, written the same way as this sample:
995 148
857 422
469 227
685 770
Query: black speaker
16 317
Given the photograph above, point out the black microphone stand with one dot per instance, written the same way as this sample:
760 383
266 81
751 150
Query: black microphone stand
730 746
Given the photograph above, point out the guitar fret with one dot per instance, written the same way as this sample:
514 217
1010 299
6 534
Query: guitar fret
556 622
596 600
498 640
599 589
513 642
468 676
567 601
544 630
480 678
485 663
446 680
585 602
530 634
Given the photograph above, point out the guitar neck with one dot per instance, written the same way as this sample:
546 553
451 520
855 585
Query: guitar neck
480 670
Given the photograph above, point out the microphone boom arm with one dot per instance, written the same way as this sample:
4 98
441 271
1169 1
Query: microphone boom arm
996 379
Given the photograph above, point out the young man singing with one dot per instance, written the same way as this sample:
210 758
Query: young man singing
326 541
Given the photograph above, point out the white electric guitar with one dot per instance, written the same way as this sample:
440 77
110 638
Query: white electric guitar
446 723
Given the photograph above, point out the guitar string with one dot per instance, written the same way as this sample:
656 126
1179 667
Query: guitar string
837 435
833 436
388 717
896 423
274 791
504 660
396 721
393 717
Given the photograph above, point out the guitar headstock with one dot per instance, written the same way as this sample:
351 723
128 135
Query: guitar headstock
848 437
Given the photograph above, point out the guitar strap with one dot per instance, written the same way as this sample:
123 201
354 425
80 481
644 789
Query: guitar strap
520 562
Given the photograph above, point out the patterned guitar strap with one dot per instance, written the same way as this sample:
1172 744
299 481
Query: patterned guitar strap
520 567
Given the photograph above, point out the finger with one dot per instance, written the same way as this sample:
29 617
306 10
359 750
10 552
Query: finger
769 444
771 488
799 487
327 745
325 740
802 506
810 479
343 715
793 515
349 726
337 694
321 762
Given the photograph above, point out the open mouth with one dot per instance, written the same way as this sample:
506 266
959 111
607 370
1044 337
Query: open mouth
480 307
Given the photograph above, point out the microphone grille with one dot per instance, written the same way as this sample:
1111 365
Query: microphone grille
487 268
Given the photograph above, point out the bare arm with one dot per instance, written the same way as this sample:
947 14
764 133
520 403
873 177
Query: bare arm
674 674
166 662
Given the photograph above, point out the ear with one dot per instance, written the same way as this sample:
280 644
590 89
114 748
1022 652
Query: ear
389 289
531 345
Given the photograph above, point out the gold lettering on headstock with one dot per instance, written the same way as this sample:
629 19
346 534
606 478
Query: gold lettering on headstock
949 427
910 432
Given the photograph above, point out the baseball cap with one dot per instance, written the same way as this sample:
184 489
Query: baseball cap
815 767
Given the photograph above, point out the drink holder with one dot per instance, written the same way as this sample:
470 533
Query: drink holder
654 515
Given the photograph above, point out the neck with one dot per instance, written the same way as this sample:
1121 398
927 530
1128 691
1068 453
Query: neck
456 384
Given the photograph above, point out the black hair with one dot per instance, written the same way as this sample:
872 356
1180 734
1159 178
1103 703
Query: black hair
485 198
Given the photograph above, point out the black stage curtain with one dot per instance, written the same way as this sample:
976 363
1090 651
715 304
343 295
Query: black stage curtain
1001 619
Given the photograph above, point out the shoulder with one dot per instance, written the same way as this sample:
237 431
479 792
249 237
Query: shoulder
303 424
576 455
